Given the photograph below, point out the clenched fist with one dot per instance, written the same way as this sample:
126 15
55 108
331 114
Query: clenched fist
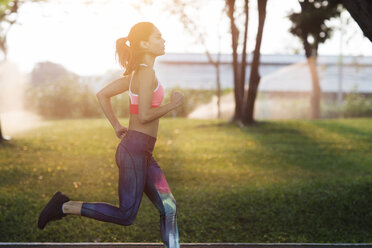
177 98
120 131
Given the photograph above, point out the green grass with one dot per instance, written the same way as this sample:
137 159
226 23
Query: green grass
279 181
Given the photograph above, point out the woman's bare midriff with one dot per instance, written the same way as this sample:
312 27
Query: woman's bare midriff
150 128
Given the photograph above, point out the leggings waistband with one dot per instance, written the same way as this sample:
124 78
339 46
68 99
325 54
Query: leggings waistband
139 139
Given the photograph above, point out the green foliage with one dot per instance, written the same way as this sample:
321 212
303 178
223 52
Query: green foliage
88 103
8 10
8 14
355 105
4 8
64 98
278 181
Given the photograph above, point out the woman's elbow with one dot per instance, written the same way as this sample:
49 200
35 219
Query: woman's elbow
100 95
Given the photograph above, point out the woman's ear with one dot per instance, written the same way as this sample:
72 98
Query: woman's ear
144 44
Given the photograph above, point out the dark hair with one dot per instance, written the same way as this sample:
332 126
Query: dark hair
129 56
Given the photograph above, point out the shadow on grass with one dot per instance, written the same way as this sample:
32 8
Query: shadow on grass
340 127
330 206
313 213
313 146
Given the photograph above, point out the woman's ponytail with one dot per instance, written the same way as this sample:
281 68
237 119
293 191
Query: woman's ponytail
124 52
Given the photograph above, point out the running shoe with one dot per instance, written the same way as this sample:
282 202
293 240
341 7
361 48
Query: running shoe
53 210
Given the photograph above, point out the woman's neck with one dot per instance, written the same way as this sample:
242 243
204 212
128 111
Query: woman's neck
148 59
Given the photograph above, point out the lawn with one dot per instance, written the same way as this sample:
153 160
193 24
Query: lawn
278 181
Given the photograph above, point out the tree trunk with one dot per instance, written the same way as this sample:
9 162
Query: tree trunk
235 36
255 77
311 56
244 58
361 11
1 134
218 91
316 91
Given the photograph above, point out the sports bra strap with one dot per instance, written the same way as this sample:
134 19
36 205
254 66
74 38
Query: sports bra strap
130 83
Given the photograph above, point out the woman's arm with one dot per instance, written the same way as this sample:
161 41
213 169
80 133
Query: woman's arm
104 98
156 113
145 111
114 88
105 103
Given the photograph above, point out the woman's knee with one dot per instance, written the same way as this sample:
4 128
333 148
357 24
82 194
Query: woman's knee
127 217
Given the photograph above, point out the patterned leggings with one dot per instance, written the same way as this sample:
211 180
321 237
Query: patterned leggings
138 172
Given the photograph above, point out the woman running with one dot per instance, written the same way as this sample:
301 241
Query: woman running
138 170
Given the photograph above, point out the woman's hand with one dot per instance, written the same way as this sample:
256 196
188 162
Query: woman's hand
120 131
177 98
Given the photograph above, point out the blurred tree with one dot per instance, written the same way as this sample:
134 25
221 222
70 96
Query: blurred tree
7 10
190 24
309 26
56 99
239 74
244 100
90 106
48 71
254 78
55 92
361 11
8 17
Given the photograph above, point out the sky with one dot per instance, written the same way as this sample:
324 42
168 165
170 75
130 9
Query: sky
82 36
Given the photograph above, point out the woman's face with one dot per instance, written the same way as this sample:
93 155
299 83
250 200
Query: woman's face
155 45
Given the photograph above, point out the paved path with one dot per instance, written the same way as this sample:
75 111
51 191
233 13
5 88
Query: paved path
193 245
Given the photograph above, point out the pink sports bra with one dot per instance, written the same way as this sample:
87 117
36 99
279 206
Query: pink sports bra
157 97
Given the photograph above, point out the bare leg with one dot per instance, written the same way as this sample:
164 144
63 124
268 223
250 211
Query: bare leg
72 207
